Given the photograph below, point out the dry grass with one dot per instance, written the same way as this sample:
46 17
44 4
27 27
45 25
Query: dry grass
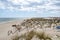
30 23
30 35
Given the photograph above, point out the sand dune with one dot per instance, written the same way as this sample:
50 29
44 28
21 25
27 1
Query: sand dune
4 27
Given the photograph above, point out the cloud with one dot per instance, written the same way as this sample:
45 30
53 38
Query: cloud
19 2
2 6
38 6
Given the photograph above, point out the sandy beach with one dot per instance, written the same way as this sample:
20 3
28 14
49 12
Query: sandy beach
4 27
33 26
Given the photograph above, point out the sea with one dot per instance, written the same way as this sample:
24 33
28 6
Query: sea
8 19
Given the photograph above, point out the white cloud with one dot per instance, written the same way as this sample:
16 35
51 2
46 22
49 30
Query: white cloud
25 5
27 8
19 2
10 8
2 6
38 1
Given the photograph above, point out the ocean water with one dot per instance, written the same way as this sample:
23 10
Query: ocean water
7 19
10 19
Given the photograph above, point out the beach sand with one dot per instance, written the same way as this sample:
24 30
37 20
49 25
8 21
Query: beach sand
4 27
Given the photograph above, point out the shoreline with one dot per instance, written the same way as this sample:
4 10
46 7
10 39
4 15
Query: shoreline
10 21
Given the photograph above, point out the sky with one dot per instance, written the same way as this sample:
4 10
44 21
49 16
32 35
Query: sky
29 8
